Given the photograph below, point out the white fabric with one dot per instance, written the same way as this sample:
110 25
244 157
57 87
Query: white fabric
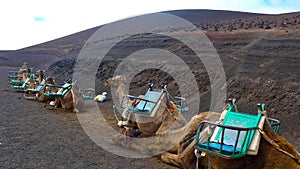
52 103
100 98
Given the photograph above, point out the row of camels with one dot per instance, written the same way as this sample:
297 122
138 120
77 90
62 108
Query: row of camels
169 127
73 100
274 151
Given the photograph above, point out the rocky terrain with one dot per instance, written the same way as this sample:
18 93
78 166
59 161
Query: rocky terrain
259 53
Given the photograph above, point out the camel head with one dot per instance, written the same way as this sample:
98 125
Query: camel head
115 81
50 80
40 73
24 72
78 99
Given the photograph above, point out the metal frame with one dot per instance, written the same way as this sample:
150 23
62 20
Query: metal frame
56 95
214 142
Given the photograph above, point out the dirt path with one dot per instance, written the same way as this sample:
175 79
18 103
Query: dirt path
32 136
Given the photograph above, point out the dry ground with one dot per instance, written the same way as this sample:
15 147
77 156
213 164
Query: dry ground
32 136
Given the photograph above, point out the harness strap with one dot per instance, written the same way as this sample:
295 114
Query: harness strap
277 146
197 154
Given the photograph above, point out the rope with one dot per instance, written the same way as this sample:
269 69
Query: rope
277 146
114 107
208 162
197 158
198 155
30 97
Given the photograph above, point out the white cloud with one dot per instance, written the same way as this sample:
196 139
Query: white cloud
19 26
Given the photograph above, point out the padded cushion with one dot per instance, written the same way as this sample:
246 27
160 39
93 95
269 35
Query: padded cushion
148 106
217 146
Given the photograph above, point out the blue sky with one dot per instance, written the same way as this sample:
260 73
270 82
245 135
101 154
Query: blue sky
29 22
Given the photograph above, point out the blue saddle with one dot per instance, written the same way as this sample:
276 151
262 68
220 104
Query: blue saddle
147 103
38 89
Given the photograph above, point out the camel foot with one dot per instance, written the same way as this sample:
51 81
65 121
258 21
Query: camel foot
170 159
122 123
132 132
75 110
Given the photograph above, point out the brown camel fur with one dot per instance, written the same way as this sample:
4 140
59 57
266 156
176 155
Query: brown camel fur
40 74
268 156
22 76
119 83
169 118
32 83
166 140
41 96
73 100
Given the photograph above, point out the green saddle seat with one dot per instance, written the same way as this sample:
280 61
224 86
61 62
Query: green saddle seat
233 137
88 94
147 103
23 86
63 90
38 89
13 74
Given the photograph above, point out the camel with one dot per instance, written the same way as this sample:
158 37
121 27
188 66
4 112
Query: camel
17 76
40 74
119 83
32 84
274 151
19 85
146 126
73 100
162 141
21 77
35 86
41 96
23 74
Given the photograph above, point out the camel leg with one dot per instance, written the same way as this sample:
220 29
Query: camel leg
171 159
142 135
132 132
75 110
57 103
186 158
183 159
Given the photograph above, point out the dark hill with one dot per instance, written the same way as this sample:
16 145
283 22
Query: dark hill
43 55
197 16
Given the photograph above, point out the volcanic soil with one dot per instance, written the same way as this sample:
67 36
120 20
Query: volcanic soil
259 53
